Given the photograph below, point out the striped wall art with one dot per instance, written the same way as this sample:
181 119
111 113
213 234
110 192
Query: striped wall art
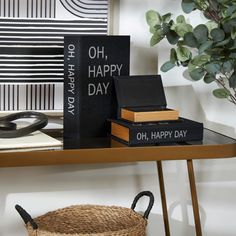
31 48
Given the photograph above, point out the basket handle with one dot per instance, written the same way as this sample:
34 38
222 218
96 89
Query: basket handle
150 205
26 216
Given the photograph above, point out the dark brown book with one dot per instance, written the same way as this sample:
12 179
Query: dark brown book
151 133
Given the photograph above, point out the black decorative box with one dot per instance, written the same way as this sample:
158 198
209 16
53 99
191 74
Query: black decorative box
142 99
145 95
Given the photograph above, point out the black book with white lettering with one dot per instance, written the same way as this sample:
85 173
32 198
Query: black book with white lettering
90 62
133 133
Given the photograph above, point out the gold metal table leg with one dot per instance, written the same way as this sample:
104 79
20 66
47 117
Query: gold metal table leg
194 198
163 198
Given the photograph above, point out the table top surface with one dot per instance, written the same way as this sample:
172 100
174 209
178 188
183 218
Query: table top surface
213 145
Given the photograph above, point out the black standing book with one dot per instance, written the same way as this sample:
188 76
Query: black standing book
90 62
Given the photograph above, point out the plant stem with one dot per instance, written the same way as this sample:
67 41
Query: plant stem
210 11
234 89
232 97
231 101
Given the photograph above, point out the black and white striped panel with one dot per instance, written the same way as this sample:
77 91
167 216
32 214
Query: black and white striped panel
48 29
28 8
18 65
43 96
86 8
31 48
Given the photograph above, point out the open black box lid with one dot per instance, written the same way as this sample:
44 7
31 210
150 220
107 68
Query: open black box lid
140 91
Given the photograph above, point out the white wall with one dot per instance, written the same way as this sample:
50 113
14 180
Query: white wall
40 189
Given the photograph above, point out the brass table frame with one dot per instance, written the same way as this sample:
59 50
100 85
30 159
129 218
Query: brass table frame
213 146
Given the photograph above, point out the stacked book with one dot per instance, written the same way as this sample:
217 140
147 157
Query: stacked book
144 118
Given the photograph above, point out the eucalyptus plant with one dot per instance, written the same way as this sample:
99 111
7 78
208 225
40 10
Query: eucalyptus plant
207 50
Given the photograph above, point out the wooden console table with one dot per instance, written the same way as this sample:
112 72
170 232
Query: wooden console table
214 145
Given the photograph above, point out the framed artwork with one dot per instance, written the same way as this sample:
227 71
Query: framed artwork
31 48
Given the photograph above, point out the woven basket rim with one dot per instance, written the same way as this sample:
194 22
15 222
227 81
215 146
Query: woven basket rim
133 218
86 234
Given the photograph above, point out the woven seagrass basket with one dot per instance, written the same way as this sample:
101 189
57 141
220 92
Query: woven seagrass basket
90 220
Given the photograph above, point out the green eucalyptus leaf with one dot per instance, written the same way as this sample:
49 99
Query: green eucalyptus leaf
156 38
183 53
229 11
233 45
221 1
153 18
188 6
221 93
201 33
190 40
232 22
230 45
166 18
233 15
227 66
200 60
209 78
233 33
167 66
180 19
211 25
182 28
191 66
217 35
205 46
173 56
232 55
197 74
165 28
212 68
215 57
154 29
223 43
172 37
227 27
232 81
